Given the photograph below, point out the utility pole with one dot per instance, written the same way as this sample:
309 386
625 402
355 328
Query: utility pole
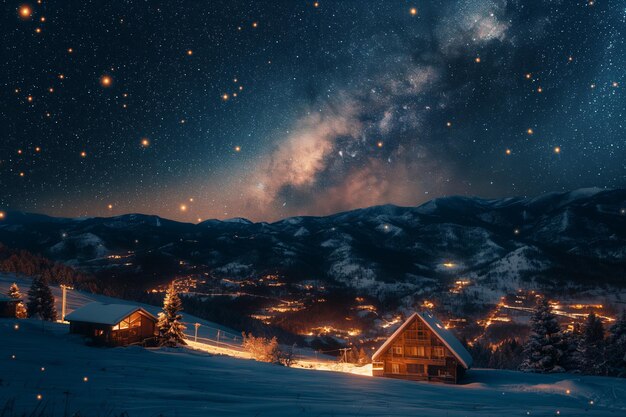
64 300
195 337
344 355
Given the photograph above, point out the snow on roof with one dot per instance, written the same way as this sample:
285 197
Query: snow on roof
439 330
103 313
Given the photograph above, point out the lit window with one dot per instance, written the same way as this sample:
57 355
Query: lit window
421 352
395 368
397 350
438 352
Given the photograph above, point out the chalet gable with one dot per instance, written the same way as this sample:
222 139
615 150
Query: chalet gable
438 329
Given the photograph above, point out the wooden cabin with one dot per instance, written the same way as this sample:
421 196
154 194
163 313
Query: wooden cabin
8 306
422 349
113 324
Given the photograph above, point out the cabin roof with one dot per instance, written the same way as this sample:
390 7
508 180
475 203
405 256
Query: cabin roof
103 313
437 327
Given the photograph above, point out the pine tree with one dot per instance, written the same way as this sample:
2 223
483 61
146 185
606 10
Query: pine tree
570 343
543 351
590 352
170 327
616 347
20 308
41 301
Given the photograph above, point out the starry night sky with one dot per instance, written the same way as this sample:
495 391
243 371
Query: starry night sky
265 109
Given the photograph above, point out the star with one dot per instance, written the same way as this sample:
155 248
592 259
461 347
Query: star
106 81
183 207
145 142
477 60
225 97
237 148
557 149
83 154
508 152
380 144
25 11
530 131
189 52
413 11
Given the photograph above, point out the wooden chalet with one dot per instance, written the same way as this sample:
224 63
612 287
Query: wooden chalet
113 324
422 349
8 306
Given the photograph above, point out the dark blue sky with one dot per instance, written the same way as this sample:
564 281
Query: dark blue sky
268 109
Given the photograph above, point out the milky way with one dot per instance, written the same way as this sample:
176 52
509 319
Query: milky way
194 110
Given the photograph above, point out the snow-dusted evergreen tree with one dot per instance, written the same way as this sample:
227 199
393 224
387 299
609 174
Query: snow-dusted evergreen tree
41 301
543 351
590 352
20 308
570 343
616 347
170 327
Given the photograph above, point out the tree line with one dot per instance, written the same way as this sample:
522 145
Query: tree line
23 262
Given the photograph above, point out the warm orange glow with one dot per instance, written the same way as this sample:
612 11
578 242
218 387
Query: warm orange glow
255 24
30 99
557 149
106 81
528 75
237 148
508 152
19 151
22 174
530 131
189 52
379 144
540 90
145 142
2 215
83 154
85 379
225 97
413 11
316 4
38 30
477 60
183 207
70 50
37 149
449 124
25 11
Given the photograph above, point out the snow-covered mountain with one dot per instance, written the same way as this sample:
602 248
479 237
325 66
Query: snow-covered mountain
576 238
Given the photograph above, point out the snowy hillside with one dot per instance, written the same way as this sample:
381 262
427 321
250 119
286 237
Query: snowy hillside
73 378
76 298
